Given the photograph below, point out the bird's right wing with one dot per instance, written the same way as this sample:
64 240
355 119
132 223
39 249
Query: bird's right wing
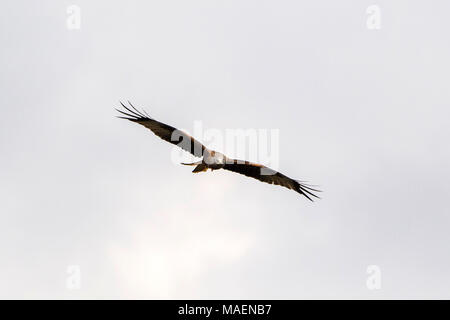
265 174
164 131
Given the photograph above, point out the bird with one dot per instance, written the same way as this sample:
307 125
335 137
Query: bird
212 159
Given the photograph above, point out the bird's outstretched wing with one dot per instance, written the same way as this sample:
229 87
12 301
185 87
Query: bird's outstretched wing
265 174
164 131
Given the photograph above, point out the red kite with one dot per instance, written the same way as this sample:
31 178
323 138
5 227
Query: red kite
212 159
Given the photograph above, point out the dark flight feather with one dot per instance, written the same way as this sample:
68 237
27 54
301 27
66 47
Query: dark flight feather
164 131
265 174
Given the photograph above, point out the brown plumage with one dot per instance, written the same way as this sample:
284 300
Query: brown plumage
164 131
265 174
212 159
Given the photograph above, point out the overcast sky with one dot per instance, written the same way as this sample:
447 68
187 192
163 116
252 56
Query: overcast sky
361 112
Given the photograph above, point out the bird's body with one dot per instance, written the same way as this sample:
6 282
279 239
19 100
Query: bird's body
214 160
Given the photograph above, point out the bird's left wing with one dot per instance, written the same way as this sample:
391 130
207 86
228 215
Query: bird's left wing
164 131
265 174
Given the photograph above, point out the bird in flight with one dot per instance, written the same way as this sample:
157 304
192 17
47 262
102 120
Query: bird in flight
211 159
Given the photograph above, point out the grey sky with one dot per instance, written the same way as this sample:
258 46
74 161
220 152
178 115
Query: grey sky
363 113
